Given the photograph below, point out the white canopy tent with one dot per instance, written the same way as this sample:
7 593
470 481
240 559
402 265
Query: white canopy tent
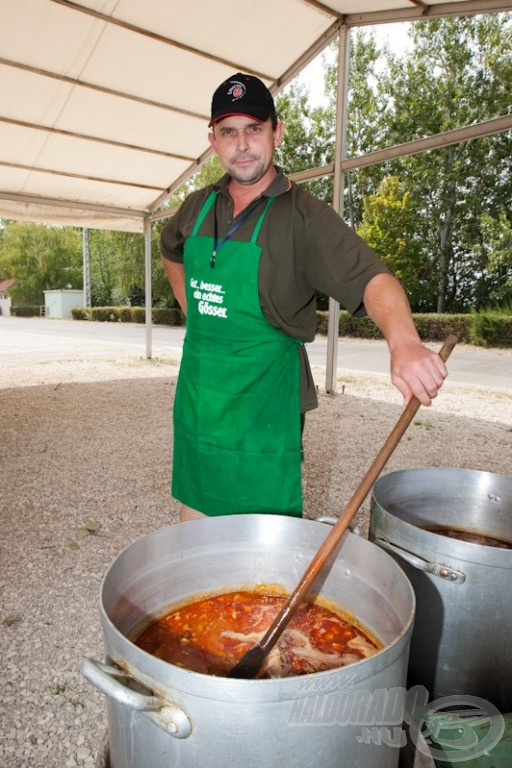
104 104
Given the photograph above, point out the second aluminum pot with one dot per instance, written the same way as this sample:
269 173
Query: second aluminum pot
461 644
164 716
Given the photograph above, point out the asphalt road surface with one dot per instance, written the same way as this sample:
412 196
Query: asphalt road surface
467 364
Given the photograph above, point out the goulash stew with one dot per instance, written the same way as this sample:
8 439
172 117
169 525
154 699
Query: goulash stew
212 634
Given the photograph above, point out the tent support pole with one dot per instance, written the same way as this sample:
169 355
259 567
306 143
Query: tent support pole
147 284
339 180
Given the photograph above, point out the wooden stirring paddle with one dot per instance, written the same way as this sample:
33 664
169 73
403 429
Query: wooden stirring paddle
249 665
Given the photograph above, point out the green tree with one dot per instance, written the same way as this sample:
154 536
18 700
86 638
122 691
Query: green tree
117 264
103 268
389 227
366 108
494 253
305 142
40 258
458 73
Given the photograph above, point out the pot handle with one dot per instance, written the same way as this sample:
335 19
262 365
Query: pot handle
332 520
445 572
168 716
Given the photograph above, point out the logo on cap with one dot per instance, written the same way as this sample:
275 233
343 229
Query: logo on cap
237 91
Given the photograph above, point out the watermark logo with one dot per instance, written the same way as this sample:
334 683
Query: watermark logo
452 728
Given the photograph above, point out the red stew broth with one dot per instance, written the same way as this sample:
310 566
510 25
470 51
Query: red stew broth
211 634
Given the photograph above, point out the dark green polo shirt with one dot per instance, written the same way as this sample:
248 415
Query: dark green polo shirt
306 247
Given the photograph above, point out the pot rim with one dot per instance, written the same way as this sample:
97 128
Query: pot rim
435 544
170 678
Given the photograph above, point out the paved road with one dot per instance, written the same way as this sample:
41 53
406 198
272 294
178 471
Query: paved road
468 365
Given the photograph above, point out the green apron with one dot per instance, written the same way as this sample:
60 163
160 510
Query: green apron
237 409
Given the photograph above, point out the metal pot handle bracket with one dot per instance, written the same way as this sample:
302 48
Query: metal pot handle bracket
168 716
445 572
332 520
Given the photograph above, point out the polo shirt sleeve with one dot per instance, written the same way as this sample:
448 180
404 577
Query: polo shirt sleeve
338 262
172 239
180 226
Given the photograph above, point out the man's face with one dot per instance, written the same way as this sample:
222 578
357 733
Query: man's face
245 146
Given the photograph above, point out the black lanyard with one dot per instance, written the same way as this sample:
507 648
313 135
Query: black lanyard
217 245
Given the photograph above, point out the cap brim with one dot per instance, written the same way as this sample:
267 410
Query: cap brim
232 114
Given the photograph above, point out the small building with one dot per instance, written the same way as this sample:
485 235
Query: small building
5 300
59 303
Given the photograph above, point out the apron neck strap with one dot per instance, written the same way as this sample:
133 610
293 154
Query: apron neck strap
260 221
202 213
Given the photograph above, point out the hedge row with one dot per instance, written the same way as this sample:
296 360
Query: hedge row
26 311
128 315
492 330
486 329
489 329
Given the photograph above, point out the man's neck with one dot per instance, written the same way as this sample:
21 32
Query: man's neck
243 194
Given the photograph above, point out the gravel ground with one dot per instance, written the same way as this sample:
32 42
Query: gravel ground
85 453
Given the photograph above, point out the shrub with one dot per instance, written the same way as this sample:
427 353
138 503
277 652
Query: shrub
80 313
138 314
104 314
357 327
124 314
168 316
322 322
26 311
492 329
434 327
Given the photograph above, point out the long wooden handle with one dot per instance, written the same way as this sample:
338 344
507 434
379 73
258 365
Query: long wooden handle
345 518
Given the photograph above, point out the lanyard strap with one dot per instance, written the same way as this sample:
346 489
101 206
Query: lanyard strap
217 244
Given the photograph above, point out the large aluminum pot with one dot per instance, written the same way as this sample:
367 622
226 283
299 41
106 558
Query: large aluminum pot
181 718
461 642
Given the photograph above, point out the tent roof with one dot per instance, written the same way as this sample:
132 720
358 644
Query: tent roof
105 103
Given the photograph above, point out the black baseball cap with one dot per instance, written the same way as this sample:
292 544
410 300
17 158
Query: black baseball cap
242 95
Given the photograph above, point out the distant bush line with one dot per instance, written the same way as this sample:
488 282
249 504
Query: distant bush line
129 315
487 329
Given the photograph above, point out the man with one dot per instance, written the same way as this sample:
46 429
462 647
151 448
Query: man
244 258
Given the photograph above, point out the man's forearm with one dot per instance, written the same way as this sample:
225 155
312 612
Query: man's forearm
415 370
386 303
176 275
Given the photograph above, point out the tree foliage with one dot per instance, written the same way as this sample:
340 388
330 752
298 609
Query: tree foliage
456 74
40 258
389 224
